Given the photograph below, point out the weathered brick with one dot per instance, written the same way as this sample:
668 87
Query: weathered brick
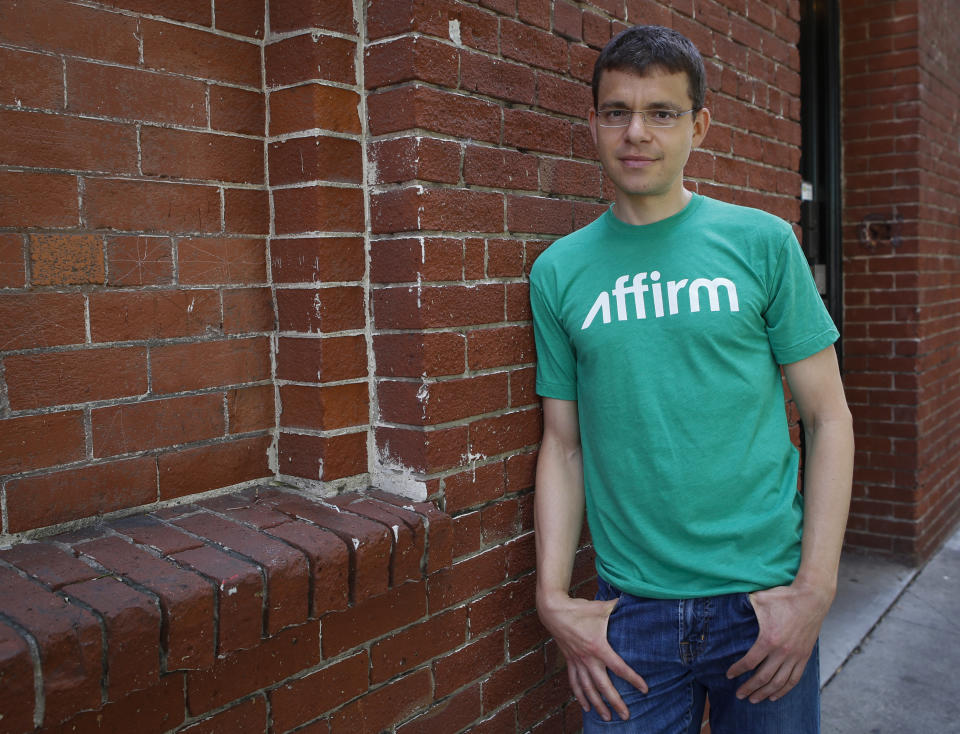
325 310
511 680
186 600
438 306
321 359
497 78
407 107
38 200
155 423
292 15
203 468
17 695
240 596
306 698
311 106
405 159
151 206
47 499
247 310
182 154
48 563
453 714
145 315
149 531
69 642
329 564
429 354
311 56
237 110
198 365
465 665
250 408
318 209
285 567
132 621
135 261
317 259
247 717
245 18
196 52
319 457
316 159
245 671
381 708
439 527
246 211
31 79
417 644
34 442
411 58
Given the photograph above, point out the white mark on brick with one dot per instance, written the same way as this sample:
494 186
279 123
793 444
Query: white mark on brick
453 28
391 476
356 543
193 302
396 532
423 394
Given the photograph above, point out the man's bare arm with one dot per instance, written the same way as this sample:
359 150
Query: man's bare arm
790 617
579 626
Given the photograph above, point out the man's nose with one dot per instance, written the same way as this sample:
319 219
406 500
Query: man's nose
637 128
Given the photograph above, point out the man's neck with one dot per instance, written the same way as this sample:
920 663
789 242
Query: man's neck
649 209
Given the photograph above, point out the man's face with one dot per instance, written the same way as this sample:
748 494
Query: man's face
644 161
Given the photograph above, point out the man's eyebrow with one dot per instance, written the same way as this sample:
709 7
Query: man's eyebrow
615 104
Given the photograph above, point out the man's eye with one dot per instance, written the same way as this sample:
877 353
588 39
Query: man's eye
662 115
615 114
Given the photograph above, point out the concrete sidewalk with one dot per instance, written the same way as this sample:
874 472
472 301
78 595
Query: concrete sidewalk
890 647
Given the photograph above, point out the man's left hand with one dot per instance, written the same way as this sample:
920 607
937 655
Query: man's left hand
790 618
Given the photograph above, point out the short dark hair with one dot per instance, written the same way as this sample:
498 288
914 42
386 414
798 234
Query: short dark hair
643 48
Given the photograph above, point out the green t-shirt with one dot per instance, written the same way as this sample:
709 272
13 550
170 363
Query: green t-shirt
670 337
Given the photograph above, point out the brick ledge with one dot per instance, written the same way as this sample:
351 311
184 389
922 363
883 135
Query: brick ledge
157 611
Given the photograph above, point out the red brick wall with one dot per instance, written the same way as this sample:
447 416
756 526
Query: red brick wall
135 312
901 272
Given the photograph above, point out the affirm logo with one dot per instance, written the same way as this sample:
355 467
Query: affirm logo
639 288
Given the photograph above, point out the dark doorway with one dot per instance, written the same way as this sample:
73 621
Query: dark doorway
821 158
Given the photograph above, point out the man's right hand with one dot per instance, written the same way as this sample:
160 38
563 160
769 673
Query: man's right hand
580 629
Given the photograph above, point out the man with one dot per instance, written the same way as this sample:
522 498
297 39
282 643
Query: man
661 330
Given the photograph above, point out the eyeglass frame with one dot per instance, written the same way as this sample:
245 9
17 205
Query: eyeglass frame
643 117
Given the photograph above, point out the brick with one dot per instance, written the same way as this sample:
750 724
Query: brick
422 450
73 494
478 29
326 458
134 94
31 79
61 378
297 160
439 526
438 306
311 56
237 110
132 622
12 268
317 259
194 52
53 141
310 106
510 431
411 58
318 209
250 409
479 485
247 717
315 694
499 521
203 468
17 695
533 46
183 154
285 567
246 211
65 259
504 603
368 542
564 96
247 310
567 21
524 634
416 259
156 423
530 130
383 707
453 714
198 365
497 78
186 600
406 108
329 564
543 700
166 314
62 27
397 160
373 617
511 680
429 403
38 200
324 408
570 177
325 310
470 663
467 579
245 671
497 347
240 595
534 12
429 354
418 644
189 11
245 18
245 506
150 206
321 360
48 563
541 215
34 442
135 261
69 642
155 710
409 536
292 15
500 168
149 531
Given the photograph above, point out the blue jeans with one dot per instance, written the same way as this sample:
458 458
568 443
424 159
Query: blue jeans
682 649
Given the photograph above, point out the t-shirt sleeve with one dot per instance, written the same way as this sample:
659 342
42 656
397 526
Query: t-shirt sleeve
556 360
798 324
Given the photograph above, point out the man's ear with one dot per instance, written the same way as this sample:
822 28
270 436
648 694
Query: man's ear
701 123
592 121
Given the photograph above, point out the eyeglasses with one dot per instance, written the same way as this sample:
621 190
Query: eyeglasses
651 118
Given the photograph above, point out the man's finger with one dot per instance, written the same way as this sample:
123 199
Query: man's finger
753 657
593 696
